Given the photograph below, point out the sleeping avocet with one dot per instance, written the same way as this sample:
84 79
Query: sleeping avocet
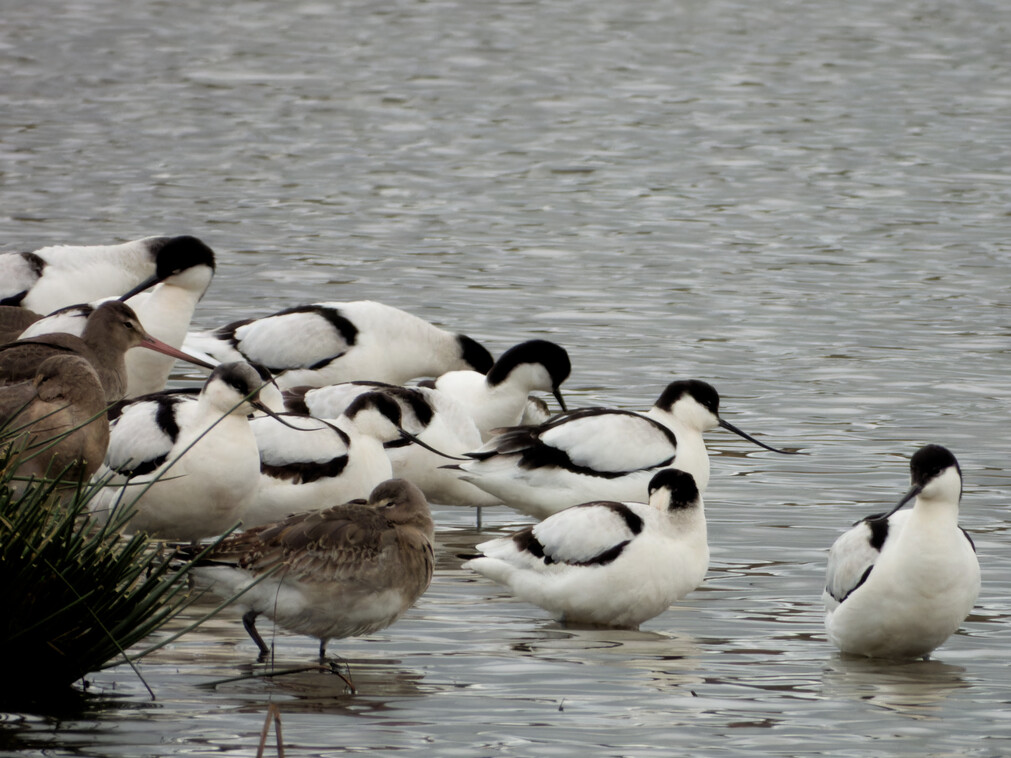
186 468
499 398
431 416
322 462
165 312
597 453
109 332
54 277
900 583
326 343
347 570
607 563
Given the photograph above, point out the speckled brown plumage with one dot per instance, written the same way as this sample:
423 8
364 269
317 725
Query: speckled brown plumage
343 571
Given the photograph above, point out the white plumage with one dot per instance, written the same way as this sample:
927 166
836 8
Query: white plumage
54 277
200 458
431 416
500 397
327 343
165 313
607 563
322 462
899 584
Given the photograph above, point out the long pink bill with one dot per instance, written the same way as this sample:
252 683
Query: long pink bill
151 343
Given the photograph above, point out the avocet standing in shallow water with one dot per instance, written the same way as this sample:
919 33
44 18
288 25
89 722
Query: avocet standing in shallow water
900 583
600 453
322 462
326 343
606 563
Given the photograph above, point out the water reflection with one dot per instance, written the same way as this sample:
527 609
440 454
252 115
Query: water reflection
322 688
660 661
916 689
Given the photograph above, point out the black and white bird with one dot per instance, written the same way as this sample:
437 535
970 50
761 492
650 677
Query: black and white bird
500 397
900 583
309 463
431 416
327 343
344 571
186 468
165 311
600 453
54 277
607 563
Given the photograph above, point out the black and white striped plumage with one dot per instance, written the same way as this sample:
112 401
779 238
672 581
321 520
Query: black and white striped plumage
607 563
599 452
323 461
164 311
430 415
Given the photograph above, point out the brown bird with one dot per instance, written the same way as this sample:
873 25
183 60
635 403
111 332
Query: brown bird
57 420
111 330
14 320
343 571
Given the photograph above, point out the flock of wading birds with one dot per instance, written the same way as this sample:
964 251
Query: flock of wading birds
306 434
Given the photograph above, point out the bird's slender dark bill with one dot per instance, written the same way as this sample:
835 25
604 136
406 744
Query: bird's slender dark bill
408 436
915 490
730 427
558 396
262 408
144 285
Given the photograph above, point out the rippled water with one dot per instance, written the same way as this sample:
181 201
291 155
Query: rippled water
805 203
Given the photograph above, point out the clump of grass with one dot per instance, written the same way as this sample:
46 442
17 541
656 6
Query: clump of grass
74 594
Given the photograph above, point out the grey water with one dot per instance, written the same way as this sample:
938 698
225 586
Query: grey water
804 203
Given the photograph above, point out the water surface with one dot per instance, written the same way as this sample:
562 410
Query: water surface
804 203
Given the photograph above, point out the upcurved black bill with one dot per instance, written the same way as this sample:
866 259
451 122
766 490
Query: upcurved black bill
915 490
730 427
262 408
144 285
408 436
